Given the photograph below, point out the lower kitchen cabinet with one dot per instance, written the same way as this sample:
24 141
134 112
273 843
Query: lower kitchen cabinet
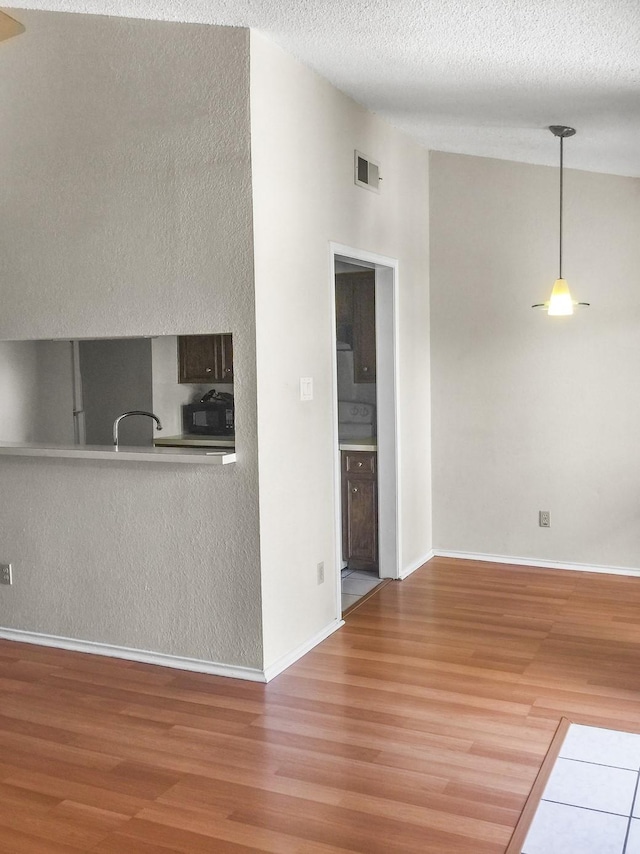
360 509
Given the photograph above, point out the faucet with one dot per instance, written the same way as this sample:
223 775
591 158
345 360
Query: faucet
125 415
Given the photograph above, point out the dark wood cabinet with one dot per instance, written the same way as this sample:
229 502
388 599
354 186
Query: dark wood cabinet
205 358
360 509
356 321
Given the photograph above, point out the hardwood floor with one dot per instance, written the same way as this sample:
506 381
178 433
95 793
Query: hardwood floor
418 727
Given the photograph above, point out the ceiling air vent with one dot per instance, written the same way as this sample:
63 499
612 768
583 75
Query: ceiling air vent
367 172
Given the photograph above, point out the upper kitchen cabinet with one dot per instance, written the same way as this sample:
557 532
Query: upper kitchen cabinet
205 358
356 321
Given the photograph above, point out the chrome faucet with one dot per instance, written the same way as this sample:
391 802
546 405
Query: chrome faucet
133 412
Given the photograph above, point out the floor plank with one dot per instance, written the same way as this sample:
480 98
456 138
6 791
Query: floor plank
419 727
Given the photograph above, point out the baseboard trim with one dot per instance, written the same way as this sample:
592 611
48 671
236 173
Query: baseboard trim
543 564
281 664
405 573
195 665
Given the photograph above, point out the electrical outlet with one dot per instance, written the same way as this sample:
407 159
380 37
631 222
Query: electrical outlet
6 574
544 519
321 572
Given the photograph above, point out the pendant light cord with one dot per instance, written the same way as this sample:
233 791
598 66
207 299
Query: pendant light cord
561 169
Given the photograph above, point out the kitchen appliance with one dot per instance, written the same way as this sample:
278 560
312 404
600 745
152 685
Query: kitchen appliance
211 416
356 420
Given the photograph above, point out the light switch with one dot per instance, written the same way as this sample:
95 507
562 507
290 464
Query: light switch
306 388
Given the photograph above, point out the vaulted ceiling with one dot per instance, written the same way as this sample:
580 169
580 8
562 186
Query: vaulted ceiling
483 77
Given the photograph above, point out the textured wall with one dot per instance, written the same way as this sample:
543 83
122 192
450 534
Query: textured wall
126 210
304 132
532 412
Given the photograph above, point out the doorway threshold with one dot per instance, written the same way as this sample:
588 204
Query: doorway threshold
364 597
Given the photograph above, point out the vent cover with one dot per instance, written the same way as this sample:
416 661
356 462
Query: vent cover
367 172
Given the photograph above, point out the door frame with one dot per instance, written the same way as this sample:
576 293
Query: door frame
386 297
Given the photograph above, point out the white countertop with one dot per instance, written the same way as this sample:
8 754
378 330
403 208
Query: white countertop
369 443
199 456
192 441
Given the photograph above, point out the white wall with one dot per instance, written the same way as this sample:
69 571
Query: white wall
54 389
18 391
126 211
304 133
530 412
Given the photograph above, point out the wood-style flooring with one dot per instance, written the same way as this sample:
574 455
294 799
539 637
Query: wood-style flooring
418 727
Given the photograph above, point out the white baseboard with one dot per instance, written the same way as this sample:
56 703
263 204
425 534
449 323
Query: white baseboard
193 664
290 658
405 573
543 564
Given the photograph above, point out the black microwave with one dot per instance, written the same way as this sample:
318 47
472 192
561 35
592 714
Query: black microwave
214 418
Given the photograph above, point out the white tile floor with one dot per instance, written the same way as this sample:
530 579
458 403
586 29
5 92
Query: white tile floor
591 803
355 584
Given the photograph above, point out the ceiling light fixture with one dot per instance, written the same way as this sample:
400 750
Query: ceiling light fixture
9 27
560 302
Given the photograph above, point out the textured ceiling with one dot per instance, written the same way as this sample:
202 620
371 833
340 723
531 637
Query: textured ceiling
482 77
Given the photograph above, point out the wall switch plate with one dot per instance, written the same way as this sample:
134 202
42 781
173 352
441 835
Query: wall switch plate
321 572
544 519
306 388
6 573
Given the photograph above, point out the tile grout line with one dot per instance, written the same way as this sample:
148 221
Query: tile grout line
599 764
588 809
633 804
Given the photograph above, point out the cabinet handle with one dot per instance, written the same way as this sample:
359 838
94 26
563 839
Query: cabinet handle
355 489
359 464
364 369
227 370
207 370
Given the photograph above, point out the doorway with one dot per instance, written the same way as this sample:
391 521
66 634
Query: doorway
365 422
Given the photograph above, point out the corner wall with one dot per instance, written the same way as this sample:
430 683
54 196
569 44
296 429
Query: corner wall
125 198
304 133
532 412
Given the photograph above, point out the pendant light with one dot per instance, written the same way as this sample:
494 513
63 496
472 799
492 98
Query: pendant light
560 302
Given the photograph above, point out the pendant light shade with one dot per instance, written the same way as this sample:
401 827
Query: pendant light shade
560 302
9 27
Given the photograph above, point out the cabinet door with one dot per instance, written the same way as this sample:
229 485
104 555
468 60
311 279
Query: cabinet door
359 508
364 330
205 358
344 309
196 358
226 358
360 532
356 321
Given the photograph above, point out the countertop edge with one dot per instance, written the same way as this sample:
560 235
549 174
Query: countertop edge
191 456
356 446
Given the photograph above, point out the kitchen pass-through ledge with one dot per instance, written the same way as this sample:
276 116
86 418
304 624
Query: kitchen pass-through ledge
193 456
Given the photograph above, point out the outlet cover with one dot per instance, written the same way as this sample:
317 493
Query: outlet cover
6 573
544 519
321 573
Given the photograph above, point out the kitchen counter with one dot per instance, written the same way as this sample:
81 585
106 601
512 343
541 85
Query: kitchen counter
368 443
191 441
198 456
